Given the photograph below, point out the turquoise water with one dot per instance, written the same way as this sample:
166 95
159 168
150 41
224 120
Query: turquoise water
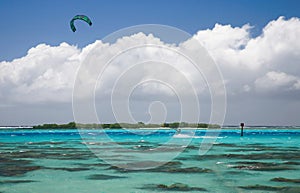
69 161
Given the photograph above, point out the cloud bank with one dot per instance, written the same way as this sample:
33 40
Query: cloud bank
251 66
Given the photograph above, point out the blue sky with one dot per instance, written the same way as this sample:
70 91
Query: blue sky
28 23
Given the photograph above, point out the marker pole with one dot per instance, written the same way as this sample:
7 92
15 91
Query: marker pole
242 129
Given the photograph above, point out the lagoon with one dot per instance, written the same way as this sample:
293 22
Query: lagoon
266 159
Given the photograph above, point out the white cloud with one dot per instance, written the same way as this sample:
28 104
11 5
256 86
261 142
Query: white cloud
277 81
277 45
268 61
246 88
45 74
244 60
225 42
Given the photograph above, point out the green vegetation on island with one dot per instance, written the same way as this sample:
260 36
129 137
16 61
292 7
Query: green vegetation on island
73 125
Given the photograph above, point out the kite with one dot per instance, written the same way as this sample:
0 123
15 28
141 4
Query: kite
79 17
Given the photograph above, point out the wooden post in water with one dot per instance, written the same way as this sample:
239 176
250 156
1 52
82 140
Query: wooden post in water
242 129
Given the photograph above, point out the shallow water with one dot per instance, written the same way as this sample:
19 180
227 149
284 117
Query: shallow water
264 160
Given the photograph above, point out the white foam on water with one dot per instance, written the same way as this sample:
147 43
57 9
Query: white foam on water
210 137
185 136
196 137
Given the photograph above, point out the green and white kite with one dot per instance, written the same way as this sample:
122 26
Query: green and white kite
79 17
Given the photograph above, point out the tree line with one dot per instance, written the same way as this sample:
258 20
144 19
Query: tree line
73 125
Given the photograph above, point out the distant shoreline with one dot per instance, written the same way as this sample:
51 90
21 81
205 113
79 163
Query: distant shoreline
139 125
142 126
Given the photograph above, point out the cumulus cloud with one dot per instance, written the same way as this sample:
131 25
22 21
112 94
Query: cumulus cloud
46 73
269 61
274 81
224 42
244 60
233 46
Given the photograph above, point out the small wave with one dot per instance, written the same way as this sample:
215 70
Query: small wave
210 137
185 136
196 137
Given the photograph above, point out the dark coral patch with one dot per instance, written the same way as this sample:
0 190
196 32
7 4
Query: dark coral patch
16 181
67 169
17 170
173 187
103 177
11 167
169 167
262 166
272 188
286 180
261 187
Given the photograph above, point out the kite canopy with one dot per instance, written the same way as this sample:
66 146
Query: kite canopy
80 17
